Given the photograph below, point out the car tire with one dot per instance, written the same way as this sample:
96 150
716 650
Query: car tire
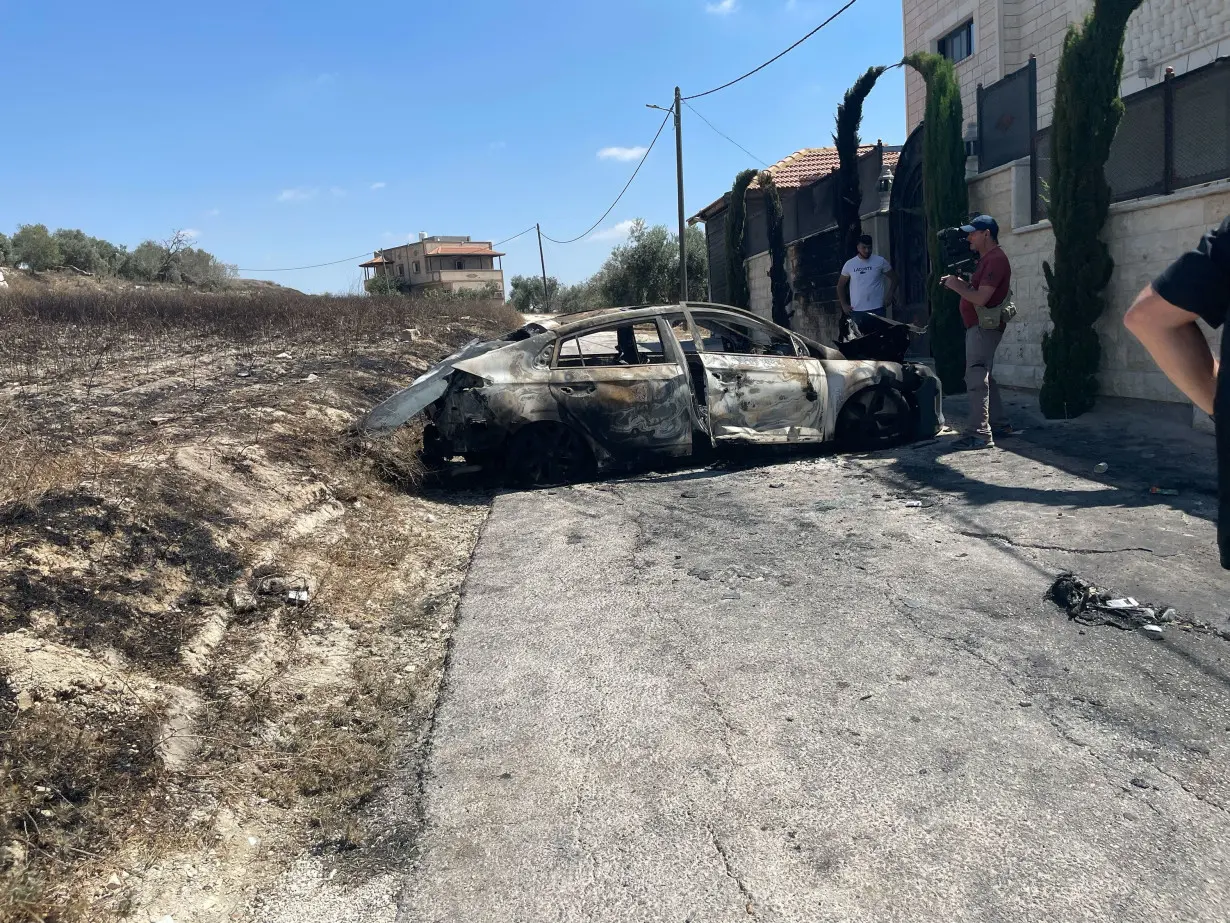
542 454
876 418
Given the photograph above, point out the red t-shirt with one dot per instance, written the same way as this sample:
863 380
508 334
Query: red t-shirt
993 269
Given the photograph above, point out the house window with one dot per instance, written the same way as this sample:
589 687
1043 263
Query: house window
401 270
958 44
416 267
461 264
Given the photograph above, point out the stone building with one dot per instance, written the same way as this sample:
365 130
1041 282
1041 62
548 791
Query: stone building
444 264
1169 170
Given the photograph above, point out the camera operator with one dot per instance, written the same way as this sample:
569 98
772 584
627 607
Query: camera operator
987 289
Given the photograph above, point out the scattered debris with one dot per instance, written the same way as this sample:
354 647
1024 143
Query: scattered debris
1092 605
312 376
1164 491
240 600
283 356
297 597
1101 468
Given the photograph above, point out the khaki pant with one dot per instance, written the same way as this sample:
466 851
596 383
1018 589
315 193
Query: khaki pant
984 404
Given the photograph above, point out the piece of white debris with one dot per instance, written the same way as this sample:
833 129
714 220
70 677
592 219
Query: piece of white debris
312 377
253 841
1153 631
429 518
297 597
283 356
114 883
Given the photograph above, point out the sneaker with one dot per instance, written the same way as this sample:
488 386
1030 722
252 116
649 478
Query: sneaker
973 442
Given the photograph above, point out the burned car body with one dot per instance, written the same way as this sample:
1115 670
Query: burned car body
599 389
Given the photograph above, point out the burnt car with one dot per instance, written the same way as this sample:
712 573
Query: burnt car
559 399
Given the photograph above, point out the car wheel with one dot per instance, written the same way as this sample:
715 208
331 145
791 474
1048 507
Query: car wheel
547 453
875 418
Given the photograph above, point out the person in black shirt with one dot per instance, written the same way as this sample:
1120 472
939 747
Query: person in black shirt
1163 318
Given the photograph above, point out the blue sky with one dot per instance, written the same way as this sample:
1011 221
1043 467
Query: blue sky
287 134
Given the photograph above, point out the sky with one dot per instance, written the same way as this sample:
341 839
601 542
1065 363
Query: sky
289 134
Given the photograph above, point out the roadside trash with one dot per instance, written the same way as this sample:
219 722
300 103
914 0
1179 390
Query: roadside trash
283 356
1152 631
243 374
297 597
1101 468
913 504
1092 605
311 377
1163 491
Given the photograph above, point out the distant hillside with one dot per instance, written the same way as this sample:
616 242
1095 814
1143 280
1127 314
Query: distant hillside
20 281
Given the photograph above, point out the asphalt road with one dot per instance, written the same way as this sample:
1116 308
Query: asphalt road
785 693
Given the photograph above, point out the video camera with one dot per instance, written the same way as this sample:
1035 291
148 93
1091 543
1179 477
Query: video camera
955 253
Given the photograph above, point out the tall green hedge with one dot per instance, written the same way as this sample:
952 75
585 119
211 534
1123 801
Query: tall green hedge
946 202
736 221
846 139
1087 114
779 280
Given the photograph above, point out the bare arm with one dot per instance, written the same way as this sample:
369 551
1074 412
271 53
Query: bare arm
843 293
1176 344
979 296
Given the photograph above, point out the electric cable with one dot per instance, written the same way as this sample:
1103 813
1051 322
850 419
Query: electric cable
775 57
621 194
726 136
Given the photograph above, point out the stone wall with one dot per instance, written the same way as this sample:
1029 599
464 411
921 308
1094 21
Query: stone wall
1183 34
1144 236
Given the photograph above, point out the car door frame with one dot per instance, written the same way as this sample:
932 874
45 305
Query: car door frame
751 398
630 410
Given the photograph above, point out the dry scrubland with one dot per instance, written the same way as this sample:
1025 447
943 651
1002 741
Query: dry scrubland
173 467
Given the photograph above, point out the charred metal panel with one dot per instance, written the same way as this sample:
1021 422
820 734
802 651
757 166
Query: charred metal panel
628 410
764 398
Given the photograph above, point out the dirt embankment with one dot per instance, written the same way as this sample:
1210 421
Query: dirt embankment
218 616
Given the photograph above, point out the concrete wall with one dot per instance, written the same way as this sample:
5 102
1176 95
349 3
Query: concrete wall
1144 236
1183 34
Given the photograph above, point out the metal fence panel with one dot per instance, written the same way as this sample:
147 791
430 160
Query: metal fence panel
1201 125
1041 174
1007 117
1137 163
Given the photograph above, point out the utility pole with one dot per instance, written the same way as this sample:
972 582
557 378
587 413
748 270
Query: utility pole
683 249
542 260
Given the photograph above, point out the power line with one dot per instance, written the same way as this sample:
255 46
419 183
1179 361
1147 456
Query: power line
621 194
314 266
514 237
726 136
776 57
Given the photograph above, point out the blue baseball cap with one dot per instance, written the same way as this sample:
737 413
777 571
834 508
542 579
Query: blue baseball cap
982 223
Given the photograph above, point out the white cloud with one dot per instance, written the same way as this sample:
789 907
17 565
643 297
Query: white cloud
617 233
621 153
213 213
379 185
298 194
725 8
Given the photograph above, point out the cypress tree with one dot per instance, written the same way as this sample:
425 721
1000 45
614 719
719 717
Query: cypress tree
736 220
779 281
1087 115
846 139
946 203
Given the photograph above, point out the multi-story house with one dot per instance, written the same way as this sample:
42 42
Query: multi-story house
449 264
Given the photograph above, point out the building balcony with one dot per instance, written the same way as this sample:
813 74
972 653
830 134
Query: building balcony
472 276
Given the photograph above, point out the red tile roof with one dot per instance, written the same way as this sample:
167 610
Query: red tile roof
801 167
806 166
380 260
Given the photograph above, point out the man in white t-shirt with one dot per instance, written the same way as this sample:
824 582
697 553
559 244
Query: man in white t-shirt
867 282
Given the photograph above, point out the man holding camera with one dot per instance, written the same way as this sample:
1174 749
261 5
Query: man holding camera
987 289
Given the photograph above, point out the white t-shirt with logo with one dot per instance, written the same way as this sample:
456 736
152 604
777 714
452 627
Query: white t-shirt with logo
866 281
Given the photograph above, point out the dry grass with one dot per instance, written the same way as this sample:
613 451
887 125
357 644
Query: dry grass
158 451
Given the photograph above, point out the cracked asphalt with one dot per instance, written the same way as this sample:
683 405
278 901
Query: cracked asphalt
831 689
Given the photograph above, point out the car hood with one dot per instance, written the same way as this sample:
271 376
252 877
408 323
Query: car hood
428 388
